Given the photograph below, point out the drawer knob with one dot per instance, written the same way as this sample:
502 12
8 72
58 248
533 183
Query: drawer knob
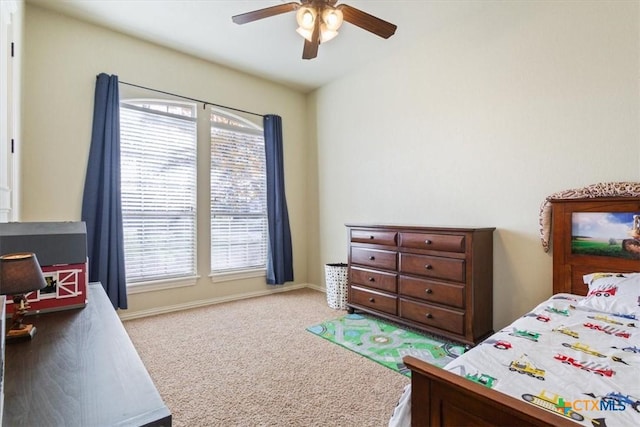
428 266
429 291
429 316
428 242
372 300
371 279
371 237
372 258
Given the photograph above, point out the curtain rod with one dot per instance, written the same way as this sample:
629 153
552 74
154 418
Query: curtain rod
205 103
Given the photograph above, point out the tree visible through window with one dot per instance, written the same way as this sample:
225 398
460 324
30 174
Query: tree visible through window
158 166
238 194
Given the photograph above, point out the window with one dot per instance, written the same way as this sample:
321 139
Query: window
158 166
238 195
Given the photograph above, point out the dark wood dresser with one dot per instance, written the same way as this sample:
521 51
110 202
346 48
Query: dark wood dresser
435 279
81 369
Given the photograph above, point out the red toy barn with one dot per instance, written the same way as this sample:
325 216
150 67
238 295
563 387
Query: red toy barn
61 249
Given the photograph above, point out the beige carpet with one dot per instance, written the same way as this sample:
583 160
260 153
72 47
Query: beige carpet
252 363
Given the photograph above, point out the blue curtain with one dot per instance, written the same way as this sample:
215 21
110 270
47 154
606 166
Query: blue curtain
279 252
101 205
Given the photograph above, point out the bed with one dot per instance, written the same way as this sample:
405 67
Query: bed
572 360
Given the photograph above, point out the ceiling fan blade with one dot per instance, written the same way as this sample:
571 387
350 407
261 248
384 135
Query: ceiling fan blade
367 22
310 50
265 13
329 2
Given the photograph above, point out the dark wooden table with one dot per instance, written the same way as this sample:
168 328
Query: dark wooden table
81 369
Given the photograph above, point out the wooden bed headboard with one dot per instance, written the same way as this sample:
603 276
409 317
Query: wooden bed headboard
568 264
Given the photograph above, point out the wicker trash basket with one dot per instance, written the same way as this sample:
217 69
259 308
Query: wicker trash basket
336 285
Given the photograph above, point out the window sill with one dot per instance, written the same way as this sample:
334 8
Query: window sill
157 285
237 275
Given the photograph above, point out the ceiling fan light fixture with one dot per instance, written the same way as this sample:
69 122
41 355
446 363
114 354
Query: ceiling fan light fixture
332 18
326 34
307 34
306 17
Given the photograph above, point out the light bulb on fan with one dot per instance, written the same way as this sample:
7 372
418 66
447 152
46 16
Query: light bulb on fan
331 21
306 17
332 18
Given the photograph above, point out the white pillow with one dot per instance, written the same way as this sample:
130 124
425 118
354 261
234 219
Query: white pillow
615 293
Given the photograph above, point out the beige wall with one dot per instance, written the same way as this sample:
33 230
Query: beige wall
477 124
63 57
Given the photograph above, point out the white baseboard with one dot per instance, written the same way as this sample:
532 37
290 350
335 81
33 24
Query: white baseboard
218 300
316 287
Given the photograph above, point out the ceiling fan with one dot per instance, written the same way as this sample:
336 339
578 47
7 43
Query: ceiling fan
319 21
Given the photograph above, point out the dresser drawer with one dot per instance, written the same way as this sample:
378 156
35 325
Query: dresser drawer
433 266
431 291
374 236
435 242
441 318
374 258
374 279
376 300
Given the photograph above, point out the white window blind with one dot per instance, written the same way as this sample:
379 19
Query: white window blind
238 195
158 185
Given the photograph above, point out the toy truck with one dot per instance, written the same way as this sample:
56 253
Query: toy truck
553 403
523 367
583 348
484 379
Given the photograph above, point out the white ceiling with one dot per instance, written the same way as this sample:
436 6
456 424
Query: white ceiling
269 48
